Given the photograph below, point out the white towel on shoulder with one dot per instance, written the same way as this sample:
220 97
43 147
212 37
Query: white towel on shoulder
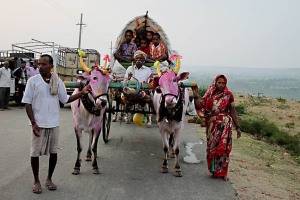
54 84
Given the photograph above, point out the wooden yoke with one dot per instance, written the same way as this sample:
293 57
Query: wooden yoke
130 84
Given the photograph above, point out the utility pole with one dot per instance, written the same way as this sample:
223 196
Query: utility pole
110 48
80 29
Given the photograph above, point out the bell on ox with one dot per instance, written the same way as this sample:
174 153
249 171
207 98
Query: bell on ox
139 119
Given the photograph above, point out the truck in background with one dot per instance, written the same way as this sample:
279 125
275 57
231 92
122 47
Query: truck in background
66 60
68 66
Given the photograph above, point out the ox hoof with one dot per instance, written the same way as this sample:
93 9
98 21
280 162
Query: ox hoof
76 171
95 171
177 173
164 170
88 158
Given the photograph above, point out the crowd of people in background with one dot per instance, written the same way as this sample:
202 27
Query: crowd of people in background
20 74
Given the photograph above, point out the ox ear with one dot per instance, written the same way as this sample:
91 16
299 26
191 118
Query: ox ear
183 76
155 81
158 90
80 77
83 76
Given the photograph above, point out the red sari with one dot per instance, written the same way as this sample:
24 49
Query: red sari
216 110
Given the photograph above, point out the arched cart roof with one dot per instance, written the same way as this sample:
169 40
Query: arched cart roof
139 25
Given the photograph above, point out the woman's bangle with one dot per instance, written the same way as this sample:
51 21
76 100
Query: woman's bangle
237 127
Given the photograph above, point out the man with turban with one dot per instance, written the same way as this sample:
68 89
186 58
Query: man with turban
138 71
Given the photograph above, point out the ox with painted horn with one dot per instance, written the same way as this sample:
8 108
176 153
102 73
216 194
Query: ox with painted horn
170 103
89 110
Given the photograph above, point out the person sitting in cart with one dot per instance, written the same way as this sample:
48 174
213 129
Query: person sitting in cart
157 49
149 36
145 47
127 48
137 41
141 74
138 73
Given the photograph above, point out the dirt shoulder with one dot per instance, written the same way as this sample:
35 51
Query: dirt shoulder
258 170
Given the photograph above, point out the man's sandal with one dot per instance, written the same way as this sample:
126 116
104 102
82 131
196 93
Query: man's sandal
50 186
37 188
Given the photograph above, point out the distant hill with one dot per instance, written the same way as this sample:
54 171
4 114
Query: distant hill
271 82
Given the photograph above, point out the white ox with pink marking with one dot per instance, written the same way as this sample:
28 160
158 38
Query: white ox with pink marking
170 103
88 112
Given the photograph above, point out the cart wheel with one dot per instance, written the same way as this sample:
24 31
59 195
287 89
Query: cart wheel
106 126
106 121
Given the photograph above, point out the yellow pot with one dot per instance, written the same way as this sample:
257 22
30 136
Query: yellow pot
139 119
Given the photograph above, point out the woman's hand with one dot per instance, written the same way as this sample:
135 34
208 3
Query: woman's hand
195 91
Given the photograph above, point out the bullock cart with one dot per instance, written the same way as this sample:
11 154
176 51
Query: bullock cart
110 109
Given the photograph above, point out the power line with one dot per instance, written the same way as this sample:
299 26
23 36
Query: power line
61 9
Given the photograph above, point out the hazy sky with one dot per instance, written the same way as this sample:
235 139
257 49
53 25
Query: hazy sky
240 33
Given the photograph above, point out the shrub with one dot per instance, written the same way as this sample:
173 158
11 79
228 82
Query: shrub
283 106
259 127
281 100
290 142
263 128
290 125
241 109
201 91
258 100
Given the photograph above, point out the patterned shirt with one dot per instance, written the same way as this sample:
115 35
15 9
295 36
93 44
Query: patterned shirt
157 51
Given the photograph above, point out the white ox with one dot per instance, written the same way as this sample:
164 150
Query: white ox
170 103
88 112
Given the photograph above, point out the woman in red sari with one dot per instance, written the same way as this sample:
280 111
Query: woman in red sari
217 107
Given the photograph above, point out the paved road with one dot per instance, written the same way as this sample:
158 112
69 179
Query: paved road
129 165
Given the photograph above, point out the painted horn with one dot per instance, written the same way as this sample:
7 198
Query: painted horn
156 64
176 70
106 60
84 67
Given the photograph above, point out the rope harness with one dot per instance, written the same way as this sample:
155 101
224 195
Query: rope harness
89 103
174 113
